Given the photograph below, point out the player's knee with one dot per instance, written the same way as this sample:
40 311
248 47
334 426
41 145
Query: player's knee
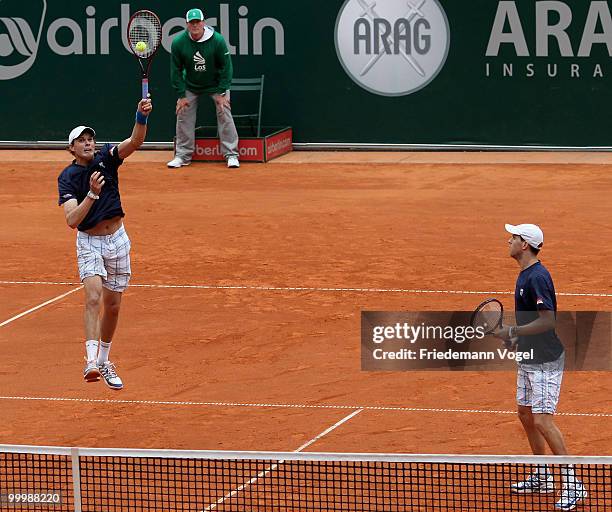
525 416
92 300
542 422
93 296
112 308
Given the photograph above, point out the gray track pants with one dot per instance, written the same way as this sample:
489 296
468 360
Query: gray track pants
185 129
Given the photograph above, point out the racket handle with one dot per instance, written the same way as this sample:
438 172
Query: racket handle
145 88
511 342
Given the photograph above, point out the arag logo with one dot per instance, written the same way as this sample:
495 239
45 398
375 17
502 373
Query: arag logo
19 42
392 47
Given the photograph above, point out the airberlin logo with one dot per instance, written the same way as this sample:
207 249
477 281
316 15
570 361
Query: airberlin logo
17 37
392 47
24 30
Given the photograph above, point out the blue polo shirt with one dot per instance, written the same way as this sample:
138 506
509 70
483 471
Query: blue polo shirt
535 291
73 183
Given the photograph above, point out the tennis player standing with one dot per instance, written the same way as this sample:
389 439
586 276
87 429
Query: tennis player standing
539 380
89 191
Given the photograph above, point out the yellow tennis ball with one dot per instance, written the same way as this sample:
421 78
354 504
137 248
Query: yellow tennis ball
141 46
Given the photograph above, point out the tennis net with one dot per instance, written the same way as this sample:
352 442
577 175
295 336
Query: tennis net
110 480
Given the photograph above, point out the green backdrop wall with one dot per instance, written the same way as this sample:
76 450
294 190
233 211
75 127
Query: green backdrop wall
492 72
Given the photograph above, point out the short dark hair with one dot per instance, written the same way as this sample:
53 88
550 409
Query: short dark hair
534 250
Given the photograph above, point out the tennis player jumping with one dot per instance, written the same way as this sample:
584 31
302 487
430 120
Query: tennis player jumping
89 191
539 379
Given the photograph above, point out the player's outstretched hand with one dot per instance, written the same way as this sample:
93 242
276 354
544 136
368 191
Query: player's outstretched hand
96 182
145 106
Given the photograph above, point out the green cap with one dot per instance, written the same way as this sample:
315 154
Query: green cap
194 14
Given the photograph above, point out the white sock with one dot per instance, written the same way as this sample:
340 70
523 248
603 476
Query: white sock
91 347
104 351
542 471
568 476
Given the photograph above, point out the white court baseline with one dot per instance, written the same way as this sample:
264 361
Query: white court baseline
312 289
170 403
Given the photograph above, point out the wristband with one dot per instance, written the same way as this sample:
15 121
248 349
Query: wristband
92 195
141 118
512 331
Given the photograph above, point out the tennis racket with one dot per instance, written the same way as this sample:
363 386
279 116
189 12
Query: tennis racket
489 316
144 33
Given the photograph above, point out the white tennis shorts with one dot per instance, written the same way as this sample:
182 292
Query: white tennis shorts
107 256
538 385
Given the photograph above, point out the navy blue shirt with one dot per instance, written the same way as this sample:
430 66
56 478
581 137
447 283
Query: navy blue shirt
73 183
535 291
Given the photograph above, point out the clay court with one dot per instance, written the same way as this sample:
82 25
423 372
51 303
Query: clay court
241 328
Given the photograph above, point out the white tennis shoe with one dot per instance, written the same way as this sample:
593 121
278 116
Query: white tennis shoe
534 484
91 373
232 162
109 374
177 162
571 496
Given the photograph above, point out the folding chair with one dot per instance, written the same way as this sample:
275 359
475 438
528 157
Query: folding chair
249 85
244 85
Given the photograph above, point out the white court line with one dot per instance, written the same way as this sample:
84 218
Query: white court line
51 301
288 406
328 430
273 467
318 289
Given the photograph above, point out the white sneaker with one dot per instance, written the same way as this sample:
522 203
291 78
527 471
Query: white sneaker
232 162
91 373
571 496
177 162
534 484
110 375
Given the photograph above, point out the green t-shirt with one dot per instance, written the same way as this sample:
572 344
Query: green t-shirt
200 67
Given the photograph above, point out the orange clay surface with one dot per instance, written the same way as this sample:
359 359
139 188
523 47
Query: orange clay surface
321 221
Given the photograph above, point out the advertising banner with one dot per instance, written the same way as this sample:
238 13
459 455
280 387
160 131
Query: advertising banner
487 72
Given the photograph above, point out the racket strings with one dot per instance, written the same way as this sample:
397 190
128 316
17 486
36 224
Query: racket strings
145 27
488 317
